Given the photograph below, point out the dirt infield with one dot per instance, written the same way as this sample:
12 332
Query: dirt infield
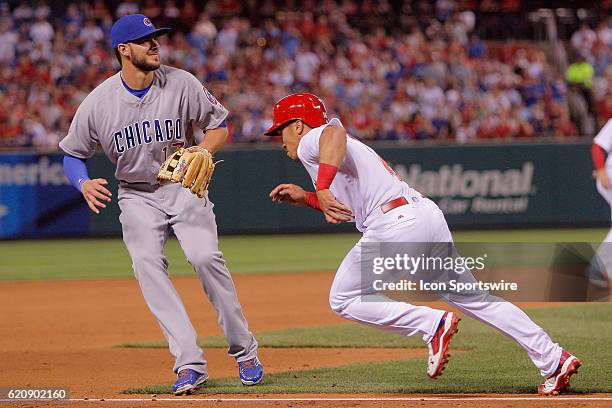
62 333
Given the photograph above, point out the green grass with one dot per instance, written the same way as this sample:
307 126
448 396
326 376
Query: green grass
491 362
340 335
108 258
533 235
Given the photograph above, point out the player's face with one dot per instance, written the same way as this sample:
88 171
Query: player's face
291 138
144 54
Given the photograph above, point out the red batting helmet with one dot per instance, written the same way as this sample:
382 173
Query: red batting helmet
304 106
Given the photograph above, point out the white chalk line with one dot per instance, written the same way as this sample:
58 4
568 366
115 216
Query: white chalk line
339 399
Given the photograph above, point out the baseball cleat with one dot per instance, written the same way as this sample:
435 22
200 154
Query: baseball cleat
251 371
188 382
438 346
559 381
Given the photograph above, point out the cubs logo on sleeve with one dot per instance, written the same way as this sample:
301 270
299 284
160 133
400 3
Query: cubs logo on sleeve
209 96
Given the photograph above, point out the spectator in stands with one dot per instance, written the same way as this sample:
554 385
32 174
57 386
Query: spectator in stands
477 47
23 13
90 35
307 63
596 47
583 40
100 11
41 31
188 15
171 13
8 42
73 17
126 7
579 76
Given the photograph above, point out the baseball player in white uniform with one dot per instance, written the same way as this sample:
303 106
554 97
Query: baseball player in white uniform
353 182
139 116
602 146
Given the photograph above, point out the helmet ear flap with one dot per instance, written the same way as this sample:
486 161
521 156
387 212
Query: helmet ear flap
279 130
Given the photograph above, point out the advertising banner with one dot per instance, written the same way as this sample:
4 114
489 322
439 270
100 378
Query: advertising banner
36 200
476 186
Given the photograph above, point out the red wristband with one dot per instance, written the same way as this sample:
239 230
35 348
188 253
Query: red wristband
326 175
599 156
312 201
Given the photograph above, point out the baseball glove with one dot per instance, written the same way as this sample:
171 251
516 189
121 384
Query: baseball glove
192 167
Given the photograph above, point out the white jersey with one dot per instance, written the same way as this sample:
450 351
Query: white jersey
364 181
137 134
604 139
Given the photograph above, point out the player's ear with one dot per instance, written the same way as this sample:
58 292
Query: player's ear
299 126
123 50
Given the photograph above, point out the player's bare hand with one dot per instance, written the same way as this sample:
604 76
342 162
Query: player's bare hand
95 192
289 193
603 178
334 211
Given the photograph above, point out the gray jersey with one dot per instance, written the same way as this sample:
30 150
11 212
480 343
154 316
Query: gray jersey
137 134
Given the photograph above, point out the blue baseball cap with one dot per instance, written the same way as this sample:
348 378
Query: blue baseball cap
133 27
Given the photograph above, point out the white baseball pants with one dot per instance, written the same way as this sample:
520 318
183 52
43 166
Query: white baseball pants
423 221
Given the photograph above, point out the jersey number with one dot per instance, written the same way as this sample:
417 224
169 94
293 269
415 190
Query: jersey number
389 169
176 145
384 163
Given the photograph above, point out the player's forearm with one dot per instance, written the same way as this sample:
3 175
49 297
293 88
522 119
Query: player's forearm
75 171
598 155
214 139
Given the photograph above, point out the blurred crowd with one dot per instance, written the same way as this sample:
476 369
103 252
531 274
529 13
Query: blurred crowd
590 73
420 79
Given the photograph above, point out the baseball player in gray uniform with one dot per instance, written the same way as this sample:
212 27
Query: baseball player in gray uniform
139 116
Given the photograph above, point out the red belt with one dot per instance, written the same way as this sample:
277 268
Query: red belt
398 202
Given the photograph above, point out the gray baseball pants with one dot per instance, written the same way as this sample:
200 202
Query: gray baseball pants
148 213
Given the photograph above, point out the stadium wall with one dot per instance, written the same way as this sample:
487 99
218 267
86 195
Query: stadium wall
477 186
